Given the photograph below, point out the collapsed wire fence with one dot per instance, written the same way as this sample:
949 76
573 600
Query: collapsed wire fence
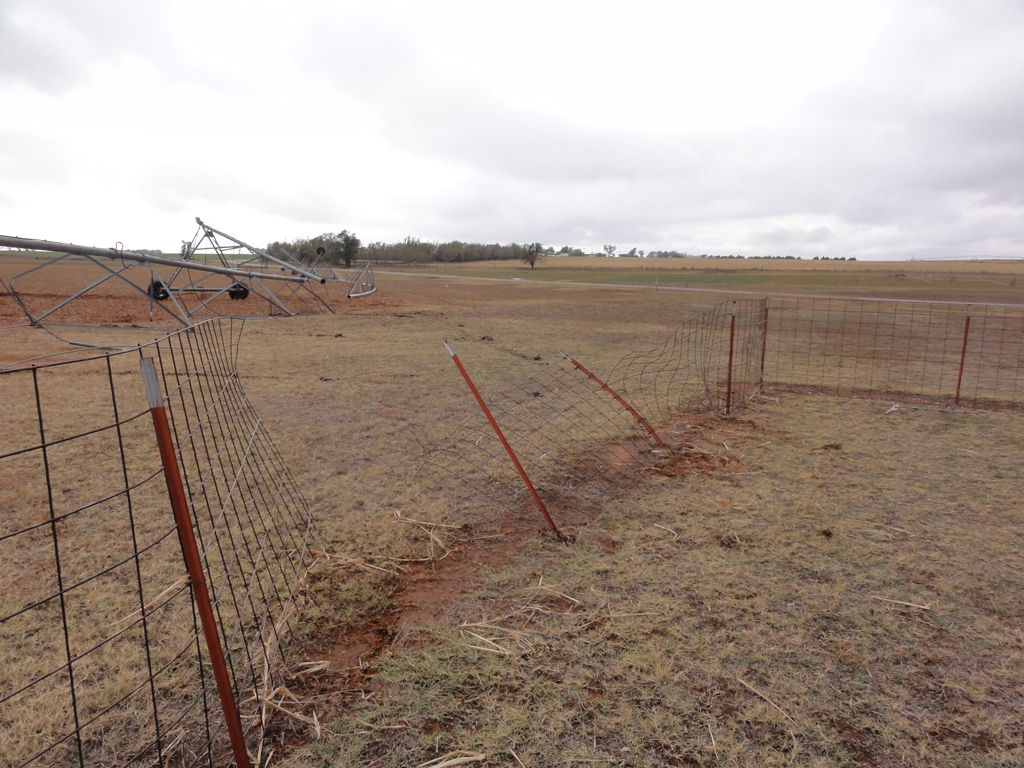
576 449
710 363
103 660
582 440
579 444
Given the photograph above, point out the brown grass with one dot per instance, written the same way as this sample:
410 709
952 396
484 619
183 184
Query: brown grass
958 266
756 609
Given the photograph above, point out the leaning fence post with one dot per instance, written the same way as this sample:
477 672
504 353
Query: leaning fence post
764 339
728 380
636 415
504 442
963 355
194 564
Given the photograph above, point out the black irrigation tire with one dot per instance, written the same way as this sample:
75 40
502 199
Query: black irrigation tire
158 290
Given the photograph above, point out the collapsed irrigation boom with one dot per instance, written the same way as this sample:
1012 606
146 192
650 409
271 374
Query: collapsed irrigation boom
115 254
263 254
191 286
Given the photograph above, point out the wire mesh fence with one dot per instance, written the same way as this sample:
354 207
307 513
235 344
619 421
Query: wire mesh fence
102 659
711 362
954 353
573 440
577 442
579 445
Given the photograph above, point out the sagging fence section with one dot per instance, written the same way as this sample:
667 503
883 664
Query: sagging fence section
581 439
104 661
710 363
578 443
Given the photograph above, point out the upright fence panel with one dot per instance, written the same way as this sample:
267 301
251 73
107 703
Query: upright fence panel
101 657
915 349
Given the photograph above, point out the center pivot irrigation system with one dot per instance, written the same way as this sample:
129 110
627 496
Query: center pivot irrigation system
214 265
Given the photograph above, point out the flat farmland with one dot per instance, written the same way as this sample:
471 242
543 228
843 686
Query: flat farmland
978 281
841 585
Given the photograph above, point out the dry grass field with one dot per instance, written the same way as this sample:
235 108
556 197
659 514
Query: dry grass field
835 586
978 281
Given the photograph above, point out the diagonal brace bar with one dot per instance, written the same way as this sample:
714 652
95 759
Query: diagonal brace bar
633 412
504 442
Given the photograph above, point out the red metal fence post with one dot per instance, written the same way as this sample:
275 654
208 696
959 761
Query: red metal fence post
636 415
728 381
504 442
963 355
764 339
193 562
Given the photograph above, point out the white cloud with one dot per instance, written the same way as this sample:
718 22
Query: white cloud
882 128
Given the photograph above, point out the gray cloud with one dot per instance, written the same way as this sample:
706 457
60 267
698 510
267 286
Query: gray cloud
917 146
31 57
196 190
27 156
441 112
934 117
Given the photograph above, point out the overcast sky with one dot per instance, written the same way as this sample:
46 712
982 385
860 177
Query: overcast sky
874 129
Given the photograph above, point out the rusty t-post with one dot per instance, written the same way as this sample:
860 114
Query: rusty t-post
963 355
633 412
728 380
504 442
193 562
764 340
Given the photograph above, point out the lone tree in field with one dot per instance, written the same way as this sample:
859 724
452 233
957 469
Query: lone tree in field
532 253
609 250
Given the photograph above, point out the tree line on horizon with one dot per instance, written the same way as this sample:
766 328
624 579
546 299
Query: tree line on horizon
344 247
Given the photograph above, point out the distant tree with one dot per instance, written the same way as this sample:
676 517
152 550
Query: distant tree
349 246
336 248
640 254
609 250
186 246
533 253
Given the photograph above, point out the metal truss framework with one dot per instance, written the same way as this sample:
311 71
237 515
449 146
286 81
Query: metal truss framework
214 265
233 252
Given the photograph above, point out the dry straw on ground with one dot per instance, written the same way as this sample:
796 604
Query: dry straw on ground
725 614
